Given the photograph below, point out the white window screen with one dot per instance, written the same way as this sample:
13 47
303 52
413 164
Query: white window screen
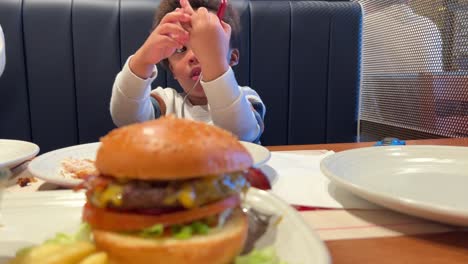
415 69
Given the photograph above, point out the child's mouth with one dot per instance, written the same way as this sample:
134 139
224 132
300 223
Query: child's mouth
195 73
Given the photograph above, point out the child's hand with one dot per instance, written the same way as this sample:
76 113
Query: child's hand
168 36
209 41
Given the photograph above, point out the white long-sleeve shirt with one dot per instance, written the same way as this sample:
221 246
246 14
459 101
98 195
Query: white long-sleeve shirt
230 106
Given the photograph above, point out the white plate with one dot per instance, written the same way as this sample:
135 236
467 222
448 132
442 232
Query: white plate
30 218
259 153
48 165
13 152
425 181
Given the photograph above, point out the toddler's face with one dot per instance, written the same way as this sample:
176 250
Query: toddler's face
186 69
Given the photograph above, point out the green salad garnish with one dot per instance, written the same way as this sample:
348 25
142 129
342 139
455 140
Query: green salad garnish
176 231
260 256
153 231
187 231
83 234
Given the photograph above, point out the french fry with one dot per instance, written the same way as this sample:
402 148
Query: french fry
96 258
61 254
39 253
17 260
71 254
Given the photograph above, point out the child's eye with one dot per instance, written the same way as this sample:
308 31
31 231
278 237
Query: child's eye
182 50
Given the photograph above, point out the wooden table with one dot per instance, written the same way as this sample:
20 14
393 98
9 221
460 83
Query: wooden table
449 247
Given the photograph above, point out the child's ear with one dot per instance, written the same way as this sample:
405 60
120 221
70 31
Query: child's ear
234 58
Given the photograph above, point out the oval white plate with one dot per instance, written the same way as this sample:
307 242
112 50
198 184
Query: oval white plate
425 181
259 153
47 166
31 218
13 152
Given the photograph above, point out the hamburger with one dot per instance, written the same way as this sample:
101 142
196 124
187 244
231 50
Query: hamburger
168 191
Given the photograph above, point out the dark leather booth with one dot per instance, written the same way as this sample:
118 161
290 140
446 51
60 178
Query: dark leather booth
302 57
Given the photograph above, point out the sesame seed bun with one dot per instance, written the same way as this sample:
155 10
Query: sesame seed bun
170 148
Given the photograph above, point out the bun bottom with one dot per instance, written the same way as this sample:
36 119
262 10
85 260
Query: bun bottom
220 246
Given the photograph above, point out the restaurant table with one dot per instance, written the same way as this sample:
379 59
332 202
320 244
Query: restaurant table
368 236
445 247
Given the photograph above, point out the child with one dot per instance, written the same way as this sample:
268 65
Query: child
199 50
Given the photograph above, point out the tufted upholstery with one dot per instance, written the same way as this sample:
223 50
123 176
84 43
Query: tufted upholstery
302 57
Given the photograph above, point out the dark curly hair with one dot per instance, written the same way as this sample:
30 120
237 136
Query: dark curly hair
231 17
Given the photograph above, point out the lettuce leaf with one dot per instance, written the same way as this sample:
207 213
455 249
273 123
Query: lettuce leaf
153 231
260 256
83 234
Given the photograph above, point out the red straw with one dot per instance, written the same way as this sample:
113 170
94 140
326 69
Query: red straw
221 9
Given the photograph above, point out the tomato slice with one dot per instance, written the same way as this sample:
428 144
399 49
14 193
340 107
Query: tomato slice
104 219
258 179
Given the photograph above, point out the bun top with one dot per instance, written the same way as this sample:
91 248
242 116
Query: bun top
170 148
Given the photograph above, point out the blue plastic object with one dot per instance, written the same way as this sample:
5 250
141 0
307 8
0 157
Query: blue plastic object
390 142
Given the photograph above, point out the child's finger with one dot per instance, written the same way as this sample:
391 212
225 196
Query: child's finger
175 17
201 14
171 43
226 27
203 11
185 4
187 26
173 30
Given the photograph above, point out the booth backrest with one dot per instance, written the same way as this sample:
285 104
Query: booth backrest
302 57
